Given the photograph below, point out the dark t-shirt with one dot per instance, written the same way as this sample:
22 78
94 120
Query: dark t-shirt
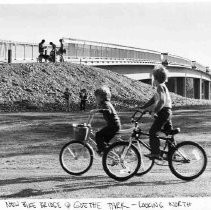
109 114
53 47
83 96
67 95
41 48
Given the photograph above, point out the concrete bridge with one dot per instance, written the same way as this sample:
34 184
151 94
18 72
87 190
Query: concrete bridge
186 77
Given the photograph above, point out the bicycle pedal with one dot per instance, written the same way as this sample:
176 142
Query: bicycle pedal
124 171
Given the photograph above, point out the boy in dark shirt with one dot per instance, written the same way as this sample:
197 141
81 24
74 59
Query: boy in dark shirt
53 52
103 97
61 50
41 50
67 95
83 97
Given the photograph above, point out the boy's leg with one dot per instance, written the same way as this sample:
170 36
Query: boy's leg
104 136
168 126
156 127
81 106
99 138
84 105
68 105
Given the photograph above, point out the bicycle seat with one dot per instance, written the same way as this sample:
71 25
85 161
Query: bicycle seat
125 131
172 132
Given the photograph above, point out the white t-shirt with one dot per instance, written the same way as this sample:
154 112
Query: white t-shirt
165 94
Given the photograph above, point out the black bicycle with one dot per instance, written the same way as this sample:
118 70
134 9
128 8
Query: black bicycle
187 160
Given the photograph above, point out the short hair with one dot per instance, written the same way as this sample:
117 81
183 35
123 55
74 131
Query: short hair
160 73
104 92
43 40
51 43
61 40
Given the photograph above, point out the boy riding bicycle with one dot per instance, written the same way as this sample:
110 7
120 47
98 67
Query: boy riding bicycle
103 97
162 113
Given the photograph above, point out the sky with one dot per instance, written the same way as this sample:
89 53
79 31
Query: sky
180 28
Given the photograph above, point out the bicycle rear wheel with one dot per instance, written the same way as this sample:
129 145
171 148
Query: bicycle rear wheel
76 158
188 160
121 162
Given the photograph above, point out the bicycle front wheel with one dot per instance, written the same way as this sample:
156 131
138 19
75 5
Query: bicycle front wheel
121 162
188 160
76 158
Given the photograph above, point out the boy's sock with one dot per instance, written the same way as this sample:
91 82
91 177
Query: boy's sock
154 156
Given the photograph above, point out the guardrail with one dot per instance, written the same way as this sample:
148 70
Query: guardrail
89 52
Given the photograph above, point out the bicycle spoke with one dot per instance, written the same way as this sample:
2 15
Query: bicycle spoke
71 152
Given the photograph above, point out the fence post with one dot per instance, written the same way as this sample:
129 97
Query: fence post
15 51
9 56
32 52
5 51
24 51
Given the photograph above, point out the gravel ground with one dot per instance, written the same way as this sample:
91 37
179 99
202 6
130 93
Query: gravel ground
30 145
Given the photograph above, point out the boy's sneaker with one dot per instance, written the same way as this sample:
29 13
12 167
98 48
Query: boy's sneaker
100 153
154 156
171 132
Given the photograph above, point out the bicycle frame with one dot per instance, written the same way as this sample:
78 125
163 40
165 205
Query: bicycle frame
136 138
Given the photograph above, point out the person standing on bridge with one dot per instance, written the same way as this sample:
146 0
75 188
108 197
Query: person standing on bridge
61 50
162 104
53 52
41 50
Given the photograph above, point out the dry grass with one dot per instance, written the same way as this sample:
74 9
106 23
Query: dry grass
40 87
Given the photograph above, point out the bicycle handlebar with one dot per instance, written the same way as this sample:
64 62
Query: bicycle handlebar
142 114
91 115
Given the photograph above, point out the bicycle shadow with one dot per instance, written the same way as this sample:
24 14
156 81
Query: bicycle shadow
69 185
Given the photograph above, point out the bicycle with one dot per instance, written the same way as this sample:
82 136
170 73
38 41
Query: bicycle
76 157
181 158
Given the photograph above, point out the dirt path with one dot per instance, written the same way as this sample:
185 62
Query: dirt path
30 145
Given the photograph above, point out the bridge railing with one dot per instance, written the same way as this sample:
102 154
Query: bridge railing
85 50
78 50
21 51
179 60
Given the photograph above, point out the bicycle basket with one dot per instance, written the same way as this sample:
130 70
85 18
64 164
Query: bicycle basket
81 132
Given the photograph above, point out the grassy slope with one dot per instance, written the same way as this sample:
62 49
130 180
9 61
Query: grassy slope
41 86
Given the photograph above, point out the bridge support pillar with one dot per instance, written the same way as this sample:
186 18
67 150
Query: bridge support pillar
175 85
180 86
206 90
197 83
200 88
209 90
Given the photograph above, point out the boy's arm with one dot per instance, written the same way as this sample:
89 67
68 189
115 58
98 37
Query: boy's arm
161 102
99 111
148 104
